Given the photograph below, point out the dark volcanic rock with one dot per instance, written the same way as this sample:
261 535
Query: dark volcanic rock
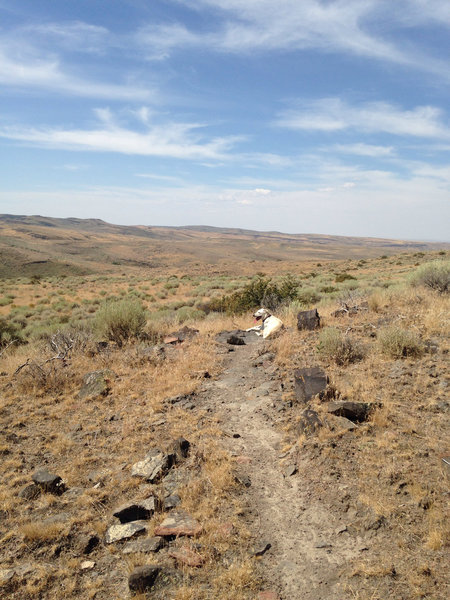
308 319
235 340
135 511
309 382
143 578
144 545
357 412
309 422
30 492
48 482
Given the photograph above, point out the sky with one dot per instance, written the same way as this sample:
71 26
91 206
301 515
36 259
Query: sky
301 116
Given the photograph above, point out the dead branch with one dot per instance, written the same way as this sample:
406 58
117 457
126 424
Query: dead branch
7 346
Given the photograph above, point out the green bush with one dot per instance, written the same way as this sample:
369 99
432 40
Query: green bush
340 348
399 343
10 331
434 275
120 321
261 291
340 277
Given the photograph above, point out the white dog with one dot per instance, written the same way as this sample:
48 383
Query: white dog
269 325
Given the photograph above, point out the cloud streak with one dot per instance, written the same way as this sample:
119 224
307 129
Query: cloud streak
332 115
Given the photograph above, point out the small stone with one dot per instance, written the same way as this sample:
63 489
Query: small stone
243 480
143 509
143 578
341 529
154 466
171 502
144 545
86 565
30 492
180 448
309 422
290 470
234 340
117 533
48 482
262 548
6 575
187 556
179 523
96 384
243 460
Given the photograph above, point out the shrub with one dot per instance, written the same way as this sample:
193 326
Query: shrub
10 331
340 277
120 321
337 347
435 275
399 343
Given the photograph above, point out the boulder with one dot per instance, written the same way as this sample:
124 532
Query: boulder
178 523
144 545
357 412
308 319
143 578
30 492
96 384
48 482
135 511
117 533
308 382
309 422
171 502
154 466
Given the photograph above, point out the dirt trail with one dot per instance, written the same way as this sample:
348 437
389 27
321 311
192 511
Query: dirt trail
309 542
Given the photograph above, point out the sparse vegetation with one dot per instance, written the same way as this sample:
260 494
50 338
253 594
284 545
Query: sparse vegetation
121 321
342 349
397 342
434 275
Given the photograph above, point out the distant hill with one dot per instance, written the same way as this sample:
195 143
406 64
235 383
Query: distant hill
36 245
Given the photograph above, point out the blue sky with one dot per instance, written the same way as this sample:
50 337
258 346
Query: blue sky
302 116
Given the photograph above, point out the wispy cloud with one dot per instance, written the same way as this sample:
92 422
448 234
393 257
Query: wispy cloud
364 150
333 114
348 26
26 66
175 140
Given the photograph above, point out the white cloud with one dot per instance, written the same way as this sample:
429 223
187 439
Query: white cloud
332 114
358 27
175 140
364 149
24 66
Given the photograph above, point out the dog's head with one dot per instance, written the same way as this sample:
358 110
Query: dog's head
261 314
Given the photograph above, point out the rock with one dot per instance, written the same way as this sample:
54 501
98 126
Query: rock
262 548
180 448
185 333
30 492
48 482
171 502
86 565
135 511
309 382
154 466
187 556
178 523
290 470
343 423
143 578
117 533
87 543
446 465
174 480
309 422
96 384
308 319
235 340
144 545
357 412
243 480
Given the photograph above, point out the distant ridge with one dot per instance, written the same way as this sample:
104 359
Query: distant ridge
43 245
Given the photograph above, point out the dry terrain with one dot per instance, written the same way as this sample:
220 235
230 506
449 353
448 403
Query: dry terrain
278 496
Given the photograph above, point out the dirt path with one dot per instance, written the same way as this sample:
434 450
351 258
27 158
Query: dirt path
309 544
